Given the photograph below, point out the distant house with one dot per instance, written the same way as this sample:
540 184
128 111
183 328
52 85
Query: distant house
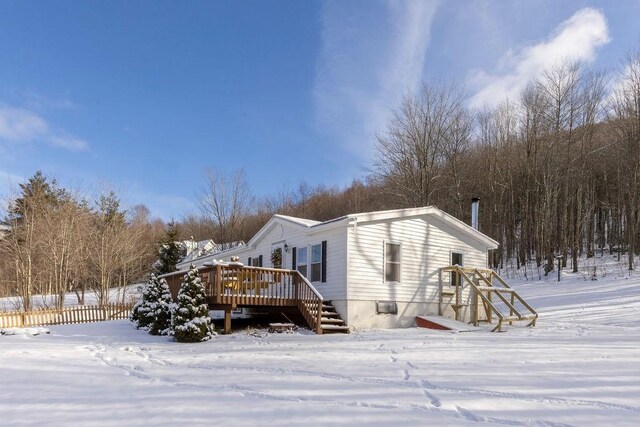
4 230
379 269
203 248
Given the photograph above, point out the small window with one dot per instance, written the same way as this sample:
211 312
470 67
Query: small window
302 261
456 259
316 263
386 307
391 262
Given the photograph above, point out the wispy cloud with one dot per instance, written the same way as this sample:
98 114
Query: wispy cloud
21 125
577 38
8 184
39 102
367 62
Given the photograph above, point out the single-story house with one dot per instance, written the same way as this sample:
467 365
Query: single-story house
379 269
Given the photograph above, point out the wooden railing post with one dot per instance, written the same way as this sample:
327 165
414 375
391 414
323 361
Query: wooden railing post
440 297
217 285
319 318
457 282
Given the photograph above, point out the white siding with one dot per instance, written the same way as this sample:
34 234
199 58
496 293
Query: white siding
426 246
295 236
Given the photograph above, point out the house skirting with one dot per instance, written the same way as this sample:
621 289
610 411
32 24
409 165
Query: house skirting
364 315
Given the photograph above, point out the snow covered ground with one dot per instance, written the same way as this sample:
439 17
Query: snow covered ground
128 294
579 366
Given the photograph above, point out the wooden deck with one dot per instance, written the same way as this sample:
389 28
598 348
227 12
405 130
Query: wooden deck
236 286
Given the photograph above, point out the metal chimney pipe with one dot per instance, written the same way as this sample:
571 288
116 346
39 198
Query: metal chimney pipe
475 202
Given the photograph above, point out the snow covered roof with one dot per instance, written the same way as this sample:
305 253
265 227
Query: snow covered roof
426 210
300 221
317 226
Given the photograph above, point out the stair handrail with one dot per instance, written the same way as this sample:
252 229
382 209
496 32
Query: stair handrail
313 321
511 307
484 298
522 301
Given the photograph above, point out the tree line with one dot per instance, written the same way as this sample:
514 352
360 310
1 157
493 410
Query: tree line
56 242
557 170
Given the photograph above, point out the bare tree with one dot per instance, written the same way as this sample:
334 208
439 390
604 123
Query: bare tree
226 201
410 154
625 121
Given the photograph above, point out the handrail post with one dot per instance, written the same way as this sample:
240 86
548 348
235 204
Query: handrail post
440 287
217 286
319 318
457 294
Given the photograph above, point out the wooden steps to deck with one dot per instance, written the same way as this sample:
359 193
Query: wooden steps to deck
330 322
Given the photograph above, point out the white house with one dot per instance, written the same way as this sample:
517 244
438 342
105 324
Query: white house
379 269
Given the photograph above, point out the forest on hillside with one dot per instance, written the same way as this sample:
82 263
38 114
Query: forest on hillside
557 171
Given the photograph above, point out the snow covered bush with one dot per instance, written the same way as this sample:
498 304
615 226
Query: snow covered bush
164 307
190 321
144 311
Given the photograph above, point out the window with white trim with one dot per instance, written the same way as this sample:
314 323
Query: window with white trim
316 263
302 260
392 264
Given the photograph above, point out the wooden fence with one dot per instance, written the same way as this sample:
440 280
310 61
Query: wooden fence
65 316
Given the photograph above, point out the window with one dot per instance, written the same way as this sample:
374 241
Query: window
456 259
391 262
302 261
316 263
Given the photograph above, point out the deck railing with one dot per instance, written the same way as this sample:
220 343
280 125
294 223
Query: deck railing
238 285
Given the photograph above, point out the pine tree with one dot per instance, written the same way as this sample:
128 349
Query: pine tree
171 251
144 312
162 321
191 321
134 316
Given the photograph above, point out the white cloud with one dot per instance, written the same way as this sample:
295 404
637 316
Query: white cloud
20 125
69 142
367 62
8 185
577 38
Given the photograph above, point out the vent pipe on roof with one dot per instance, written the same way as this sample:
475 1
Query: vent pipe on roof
475 202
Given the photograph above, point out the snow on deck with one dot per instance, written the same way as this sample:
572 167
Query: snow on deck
579 366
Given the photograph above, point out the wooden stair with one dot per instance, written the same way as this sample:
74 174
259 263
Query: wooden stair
484 284
331 322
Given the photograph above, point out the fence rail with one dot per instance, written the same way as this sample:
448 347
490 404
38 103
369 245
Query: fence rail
65 316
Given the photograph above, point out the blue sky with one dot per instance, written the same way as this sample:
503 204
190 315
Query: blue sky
143 97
